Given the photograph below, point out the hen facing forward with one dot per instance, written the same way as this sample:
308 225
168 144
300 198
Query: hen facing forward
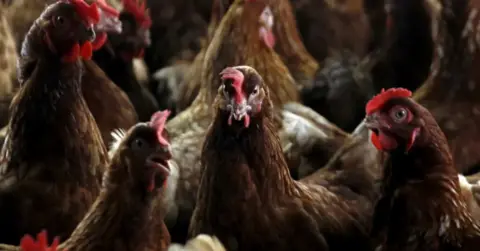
254 204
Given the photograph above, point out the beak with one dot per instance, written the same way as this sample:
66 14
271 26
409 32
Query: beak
160 158
239 111
91 34
376 122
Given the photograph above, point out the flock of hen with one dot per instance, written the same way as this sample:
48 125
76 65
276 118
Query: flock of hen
240 125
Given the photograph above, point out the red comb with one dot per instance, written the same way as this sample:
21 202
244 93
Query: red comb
107 8
158 121
379 100
138 10
238 78
87 12
29 244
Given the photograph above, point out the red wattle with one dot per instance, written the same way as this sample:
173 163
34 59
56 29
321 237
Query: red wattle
99 41
246 121
72 55
86 50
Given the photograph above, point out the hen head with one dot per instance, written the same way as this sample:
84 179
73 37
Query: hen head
135 35
109 22
241 94
397 121
145 153
250 16
66 28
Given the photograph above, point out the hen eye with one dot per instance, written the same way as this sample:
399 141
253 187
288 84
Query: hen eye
59 20
255 91
139 144
399 114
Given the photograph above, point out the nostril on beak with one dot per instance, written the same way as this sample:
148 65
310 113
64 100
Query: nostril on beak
91 34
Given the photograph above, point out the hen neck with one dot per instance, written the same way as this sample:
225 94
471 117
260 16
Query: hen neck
51 125
246 162
422 201
119 217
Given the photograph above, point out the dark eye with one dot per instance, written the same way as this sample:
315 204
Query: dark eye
399 114
59 20
139 144
255 90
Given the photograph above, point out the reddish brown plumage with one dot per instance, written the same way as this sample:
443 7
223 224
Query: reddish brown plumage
247 197
451 93
54 155
421 205
126 215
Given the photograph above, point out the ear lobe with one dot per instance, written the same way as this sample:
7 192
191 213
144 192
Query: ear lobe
376 141
412 138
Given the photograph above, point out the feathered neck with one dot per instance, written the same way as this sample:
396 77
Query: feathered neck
50 120
421 188
246 162
237 42
119 216
291 48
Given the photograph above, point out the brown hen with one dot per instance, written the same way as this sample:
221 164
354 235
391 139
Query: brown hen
247 197
53 156
421 207
125 215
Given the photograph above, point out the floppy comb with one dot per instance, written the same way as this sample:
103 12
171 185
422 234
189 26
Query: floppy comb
158 122
238 78
89 13
29 244
138 9
107 8
380 99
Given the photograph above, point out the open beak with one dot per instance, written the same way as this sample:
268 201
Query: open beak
375 123
160 158
159 162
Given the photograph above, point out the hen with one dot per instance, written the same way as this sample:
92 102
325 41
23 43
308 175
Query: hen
248 204
123 215
421 205
231 46
116 57
287 43
53 156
